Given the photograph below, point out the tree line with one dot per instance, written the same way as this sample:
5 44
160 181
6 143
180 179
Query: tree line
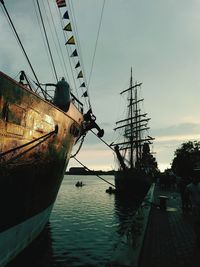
186 159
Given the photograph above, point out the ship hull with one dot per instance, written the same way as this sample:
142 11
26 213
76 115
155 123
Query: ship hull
132 184
36 140
18 237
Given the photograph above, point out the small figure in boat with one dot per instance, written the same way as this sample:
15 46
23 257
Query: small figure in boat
79 184
110 190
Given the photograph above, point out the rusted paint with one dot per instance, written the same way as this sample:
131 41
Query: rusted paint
35 176
30 117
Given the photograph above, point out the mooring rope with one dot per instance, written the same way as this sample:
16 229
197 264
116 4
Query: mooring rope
103 141
24 145
44 138
80 146
85 167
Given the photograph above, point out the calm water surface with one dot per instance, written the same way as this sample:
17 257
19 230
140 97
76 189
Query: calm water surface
85 226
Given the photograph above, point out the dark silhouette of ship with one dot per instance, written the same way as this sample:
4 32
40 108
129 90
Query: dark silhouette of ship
136 163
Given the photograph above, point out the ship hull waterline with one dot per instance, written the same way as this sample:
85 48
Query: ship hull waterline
17 238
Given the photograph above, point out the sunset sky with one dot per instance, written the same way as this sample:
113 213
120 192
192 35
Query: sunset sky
159 39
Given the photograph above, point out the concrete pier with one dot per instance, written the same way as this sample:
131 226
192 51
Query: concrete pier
169 239
165 238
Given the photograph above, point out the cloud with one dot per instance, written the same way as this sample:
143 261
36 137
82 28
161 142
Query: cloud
177 138
106 125
95 158
168 139
164 56
187 128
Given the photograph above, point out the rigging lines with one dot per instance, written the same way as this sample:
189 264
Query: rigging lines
68 53
79 48
49 32
47 41
20 43
42 34
60 55
96 42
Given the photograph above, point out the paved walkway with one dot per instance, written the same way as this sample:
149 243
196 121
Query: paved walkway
170 239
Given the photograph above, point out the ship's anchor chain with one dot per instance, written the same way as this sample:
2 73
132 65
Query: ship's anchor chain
42 138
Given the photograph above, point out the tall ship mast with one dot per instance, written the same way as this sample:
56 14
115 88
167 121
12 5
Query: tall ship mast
136 163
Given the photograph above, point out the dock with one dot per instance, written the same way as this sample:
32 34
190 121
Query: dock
169 239
166 237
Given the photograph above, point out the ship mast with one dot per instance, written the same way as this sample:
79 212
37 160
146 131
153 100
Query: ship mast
131 111
134 123
134 126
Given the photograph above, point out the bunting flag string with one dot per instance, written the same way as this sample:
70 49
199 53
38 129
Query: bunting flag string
61 3
82 85
85 94
77 65
71 41
68 27
74 54
66 15
80 75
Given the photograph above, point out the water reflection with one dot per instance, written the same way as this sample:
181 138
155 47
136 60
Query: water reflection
125 209
41 249
85 227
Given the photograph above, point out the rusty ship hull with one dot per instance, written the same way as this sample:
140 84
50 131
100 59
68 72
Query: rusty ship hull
36 141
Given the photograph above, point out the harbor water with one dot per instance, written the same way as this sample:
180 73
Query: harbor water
86 226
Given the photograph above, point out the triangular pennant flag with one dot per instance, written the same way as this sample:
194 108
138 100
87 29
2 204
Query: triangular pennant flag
85 94
74 54
82 85
71 41
80 75
68 27
61 3
77 65
66 15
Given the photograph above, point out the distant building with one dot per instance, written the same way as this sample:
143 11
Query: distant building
82 171
77 170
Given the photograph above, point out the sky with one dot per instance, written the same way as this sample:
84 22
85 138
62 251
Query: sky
159 39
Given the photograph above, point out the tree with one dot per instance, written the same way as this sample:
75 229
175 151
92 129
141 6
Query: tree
186 159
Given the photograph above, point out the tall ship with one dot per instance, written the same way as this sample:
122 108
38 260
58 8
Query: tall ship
37 134
136 164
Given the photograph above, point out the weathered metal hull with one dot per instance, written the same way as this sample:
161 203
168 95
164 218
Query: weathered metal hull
31 174
18 237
